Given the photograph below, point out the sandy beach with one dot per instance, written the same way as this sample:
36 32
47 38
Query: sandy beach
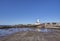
33 36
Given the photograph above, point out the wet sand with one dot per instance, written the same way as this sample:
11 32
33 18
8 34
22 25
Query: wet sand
33 36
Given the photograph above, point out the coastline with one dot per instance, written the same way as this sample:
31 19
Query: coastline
33 36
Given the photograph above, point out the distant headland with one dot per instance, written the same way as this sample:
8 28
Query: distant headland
37 24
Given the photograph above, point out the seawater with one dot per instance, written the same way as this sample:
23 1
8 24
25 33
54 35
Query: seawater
4 32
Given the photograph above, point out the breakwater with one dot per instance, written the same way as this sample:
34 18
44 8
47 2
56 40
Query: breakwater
43 25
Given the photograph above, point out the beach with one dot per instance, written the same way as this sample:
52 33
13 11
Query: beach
33 36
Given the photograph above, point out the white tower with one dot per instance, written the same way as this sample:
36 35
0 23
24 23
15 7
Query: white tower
37 22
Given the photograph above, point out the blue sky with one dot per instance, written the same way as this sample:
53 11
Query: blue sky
27 11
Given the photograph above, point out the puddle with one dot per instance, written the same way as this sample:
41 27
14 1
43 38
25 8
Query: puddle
44 30
4 32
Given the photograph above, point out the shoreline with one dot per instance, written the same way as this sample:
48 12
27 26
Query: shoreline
32 36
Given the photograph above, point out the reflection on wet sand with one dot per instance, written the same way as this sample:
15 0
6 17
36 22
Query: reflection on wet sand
4 32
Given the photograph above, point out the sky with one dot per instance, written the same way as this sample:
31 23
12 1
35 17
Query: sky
28 11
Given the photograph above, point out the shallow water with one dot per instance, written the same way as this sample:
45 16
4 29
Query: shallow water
4 32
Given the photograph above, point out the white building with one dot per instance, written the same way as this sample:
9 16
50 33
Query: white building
37 22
